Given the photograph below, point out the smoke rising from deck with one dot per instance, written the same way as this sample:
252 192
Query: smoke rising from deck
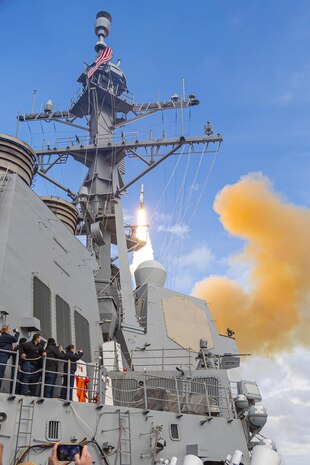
275 313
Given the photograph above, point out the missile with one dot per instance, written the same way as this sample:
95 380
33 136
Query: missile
142 197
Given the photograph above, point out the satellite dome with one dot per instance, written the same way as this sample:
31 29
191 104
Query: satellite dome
150 272
257 417
241 402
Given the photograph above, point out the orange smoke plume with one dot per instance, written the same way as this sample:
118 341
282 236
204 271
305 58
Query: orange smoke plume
275 313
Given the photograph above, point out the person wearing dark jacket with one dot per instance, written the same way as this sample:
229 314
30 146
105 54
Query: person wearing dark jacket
31 353
51 367
6 344
73 357
16 364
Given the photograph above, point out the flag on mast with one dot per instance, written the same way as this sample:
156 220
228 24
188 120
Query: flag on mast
105 55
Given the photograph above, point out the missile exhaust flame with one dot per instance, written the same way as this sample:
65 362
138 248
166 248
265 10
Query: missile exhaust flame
142 226
142 233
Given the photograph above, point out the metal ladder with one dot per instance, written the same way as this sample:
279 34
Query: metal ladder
125 438
97 383
25 422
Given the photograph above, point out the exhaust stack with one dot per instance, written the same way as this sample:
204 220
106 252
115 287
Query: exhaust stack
17 157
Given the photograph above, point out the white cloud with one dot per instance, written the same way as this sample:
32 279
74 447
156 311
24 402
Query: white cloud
183 281
164 223
179 229
198 259
238 269
185 269
162 218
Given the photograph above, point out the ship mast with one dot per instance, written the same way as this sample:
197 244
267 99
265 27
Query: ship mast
105 103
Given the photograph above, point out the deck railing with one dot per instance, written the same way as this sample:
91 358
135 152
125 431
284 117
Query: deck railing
200 394
160 359
36 383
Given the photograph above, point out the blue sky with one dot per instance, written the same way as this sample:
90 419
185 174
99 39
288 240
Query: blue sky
247 62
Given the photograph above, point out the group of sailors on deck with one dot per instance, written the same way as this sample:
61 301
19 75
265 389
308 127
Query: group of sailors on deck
28 359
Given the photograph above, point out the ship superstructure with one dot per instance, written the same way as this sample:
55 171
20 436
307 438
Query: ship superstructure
155 370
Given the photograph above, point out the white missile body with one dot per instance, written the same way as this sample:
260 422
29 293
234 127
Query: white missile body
142 196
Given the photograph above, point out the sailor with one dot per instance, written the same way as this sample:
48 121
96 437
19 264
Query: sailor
73 357
52 352
17 364
31 354
6 347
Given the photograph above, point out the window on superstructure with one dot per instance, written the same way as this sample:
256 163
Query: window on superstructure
63 322
82 337
174 432
42 306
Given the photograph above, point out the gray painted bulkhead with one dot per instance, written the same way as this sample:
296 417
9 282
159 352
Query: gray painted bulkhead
34 242
213 440
157 336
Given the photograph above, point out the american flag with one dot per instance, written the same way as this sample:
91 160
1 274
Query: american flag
105 55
